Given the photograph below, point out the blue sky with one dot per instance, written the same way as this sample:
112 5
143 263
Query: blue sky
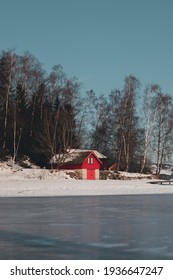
98 41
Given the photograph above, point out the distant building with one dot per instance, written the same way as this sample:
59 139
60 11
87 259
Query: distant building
113 167
86 162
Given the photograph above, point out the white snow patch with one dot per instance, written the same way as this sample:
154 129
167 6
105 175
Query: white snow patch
9 174
63 187
43 182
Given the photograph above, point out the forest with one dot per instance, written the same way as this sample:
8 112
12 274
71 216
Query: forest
44 114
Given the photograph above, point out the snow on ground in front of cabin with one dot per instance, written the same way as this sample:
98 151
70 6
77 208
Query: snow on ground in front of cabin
42 182
25 183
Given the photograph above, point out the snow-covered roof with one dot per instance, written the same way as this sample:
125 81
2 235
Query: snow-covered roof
74 155
98 154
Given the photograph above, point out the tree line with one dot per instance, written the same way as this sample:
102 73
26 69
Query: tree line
44 114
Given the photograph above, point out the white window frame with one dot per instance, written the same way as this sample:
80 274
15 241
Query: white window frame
90 160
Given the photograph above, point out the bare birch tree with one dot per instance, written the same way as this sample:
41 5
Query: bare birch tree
151 113
163 128
7 65
127 121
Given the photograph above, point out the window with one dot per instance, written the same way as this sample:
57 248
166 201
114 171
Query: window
90 160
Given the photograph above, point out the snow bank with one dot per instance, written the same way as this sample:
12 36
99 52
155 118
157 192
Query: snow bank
8 174
63 187
42 182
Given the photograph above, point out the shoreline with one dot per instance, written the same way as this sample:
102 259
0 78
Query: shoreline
67 187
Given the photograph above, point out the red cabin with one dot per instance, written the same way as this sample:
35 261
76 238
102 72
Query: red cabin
86 162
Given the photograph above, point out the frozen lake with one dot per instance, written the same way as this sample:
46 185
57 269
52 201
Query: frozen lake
87 227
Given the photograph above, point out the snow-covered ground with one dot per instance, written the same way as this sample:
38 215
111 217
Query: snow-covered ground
40 182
